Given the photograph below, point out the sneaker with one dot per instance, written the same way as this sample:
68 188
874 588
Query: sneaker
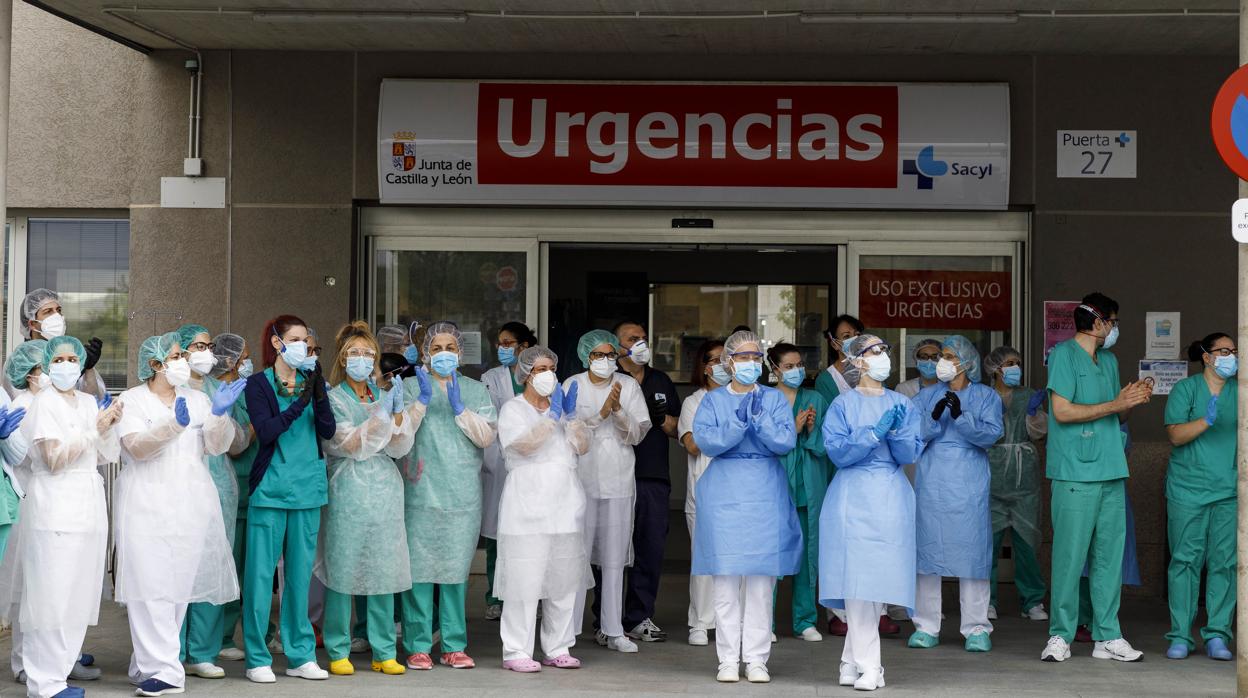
1057 650
84 673
359 645
389 667
1036 612
757 673
421 661
774 639
647 631
699 638
1083 634
86 659
261 674
1118 650
1177 650
457 660
310 671
621 644
205 670
837 627
870 680
992 613
921 640
232 654
71 692
563 661
728 673
811 635
1215 648
522 666
275 646
888 627
849 674
494 611
156 687
341 667
978 641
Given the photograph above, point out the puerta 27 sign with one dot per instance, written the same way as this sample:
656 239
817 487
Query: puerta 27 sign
939 300
725 144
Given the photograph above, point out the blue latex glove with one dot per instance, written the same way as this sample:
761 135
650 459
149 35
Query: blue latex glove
396 396
886 423
743 408
104 402
556 401
756 403
899 416
1037 399
1211 411
180 412
426 388
453 396
11 422
569 399
223 400
4 415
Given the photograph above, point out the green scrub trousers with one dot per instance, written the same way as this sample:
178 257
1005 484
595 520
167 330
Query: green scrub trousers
1200 536
1027 577
1089 524
270 533
378 616
491 559
418 625
805 609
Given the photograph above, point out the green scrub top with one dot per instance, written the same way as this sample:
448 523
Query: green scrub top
1087 451
1202 471
807 466
517 388
296 476
9 502
826 385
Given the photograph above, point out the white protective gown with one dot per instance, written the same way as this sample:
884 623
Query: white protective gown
701 597
499 385
171 541
541 516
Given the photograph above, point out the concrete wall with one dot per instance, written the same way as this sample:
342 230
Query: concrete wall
96 125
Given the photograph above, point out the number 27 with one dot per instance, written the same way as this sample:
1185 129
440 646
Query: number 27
1091 156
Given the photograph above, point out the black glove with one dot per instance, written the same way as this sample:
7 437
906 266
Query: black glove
94 347
955 405
318 384
939 409
658 411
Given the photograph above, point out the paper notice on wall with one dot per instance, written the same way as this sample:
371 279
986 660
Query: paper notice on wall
1161 336
471 347
1059 324
1164 374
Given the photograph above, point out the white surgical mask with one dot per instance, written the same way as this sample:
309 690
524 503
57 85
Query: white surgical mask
879 366
640 353
603 368
43 381
945 370
52 326
177 372
65 374
544 383
244 368
202 362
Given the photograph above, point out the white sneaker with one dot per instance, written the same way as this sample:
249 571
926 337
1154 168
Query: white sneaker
698 638
275 646
647 631
622 644
310 671
232 654
359 645
205 670
1036 612
1118 650
261 674
811 635
870 680
849 674
729 673
992 613
774 639
757 673
1058 650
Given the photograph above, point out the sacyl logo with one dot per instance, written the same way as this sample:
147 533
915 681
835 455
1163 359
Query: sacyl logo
925 168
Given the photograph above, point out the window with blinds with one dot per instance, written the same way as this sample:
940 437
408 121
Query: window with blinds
87 262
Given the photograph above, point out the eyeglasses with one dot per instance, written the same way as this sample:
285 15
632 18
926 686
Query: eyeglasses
876 349
1224 351
743 356
357 352
598 356
201 346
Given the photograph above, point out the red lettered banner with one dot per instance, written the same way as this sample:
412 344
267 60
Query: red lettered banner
917 299
830 136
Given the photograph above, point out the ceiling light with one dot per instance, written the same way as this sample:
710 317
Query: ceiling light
909 17
311 16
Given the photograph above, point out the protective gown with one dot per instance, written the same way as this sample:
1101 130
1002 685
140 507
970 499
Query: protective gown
541 516
866 543
221 465
498 382
1015 467
747 524
363 547
10 564
171 540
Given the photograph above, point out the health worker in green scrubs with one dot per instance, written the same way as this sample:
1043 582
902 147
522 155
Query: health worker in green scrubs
1088 470
1201 504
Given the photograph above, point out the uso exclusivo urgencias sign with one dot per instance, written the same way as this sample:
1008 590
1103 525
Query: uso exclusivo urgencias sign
722 144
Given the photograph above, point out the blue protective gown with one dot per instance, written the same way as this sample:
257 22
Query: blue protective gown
866 530
747 524
952 482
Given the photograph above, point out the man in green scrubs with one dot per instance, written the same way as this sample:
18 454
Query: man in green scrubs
1088 470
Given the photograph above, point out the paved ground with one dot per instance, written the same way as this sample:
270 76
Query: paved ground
798 668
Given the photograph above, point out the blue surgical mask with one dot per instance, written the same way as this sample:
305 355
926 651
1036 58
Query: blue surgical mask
1111 339
507 355
719 374
294 353
412 354
747 373
927 369
309 362
245 368
1012 376
359 368
444 363
793 377
1226 366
